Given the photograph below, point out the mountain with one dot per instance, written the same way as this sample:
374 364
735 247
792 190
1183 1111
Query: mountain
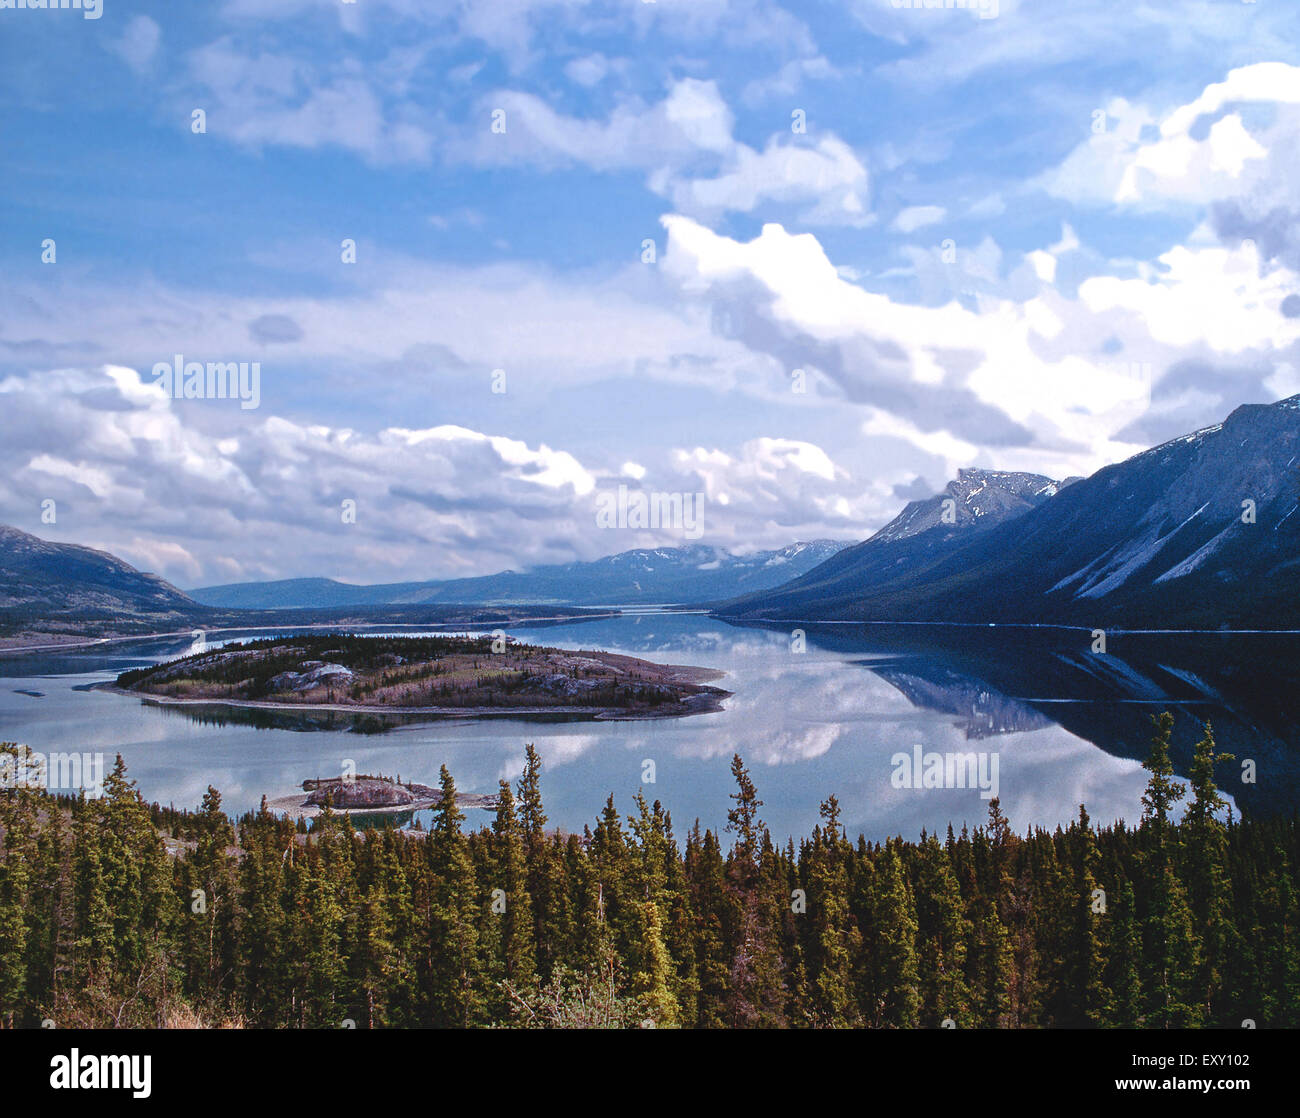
695 574
926 532
298 593
979 498
1199 532
38 577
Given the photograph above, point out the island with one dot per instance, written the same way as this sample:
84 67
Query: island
367 794
428 676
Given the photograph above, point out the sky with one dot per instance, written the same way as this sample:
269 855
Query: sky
489 261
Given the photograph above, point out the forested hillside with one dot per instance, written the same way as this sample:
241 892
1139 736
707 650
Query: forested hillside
115 913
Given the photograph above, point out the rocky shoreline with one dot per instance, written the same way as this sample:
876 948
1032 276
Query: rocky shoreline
368 795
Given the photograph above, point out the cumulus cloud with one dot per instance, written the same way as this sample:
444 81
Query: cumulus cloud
899 396
218 500
777 488
145 478
1228 153
828 173
1042 381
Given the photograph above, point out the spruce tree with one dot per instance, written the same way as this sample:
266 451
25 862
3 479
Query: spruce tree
942 932
835 942
1172 955
517 959
455 996
1082 973
896 984
1208 884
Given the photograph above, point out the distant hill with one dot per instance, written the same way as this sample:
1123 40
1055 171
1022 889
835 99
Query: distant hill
696 574
54 593
1199 532
41 578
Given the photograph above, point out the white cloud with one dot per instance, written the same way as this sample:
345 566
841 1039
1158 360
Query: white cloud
672 141
588 70
139 43
776 488
1203 152
1040 382
202 491
913 218
828 173
274 98
127 464
788 80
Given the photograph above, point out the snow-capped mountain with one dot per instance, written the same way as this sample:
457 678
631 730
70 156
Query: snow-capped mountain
693 574
1199 532
923 534
976 497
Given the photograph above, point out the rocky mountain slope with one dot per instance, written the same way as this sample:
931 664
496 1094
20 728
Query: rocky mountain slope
45 578
1199 532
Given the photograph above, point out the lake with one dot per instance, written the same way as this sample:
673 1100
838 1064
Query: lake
849 710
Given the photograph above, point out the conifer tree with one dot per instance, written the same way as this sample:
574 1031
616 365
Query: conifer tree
1208 884
652 983
455 997
17 826
372 958
717 919
1081 979
1169 941
756 981
532 817
1124 960
517 959
835 942
743 822
94 916
895 981
942 932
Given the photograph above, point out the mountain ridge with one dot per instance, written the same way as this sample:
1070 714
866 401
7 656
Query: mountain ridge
43 576
1197 532
695 574
923 533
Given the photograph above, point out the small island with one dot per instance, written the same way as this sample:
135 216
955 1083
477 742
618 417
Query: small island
367 794
433 676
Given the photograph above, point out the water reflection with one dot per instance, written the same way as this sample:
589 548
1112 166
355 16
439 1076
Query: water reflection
1069 726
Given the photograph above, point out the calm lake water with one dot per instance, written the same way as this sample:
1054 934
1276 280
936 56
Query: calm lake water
1062 725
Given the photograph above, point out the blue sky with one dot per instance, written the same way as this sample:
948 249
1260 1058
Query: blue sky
1040 239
